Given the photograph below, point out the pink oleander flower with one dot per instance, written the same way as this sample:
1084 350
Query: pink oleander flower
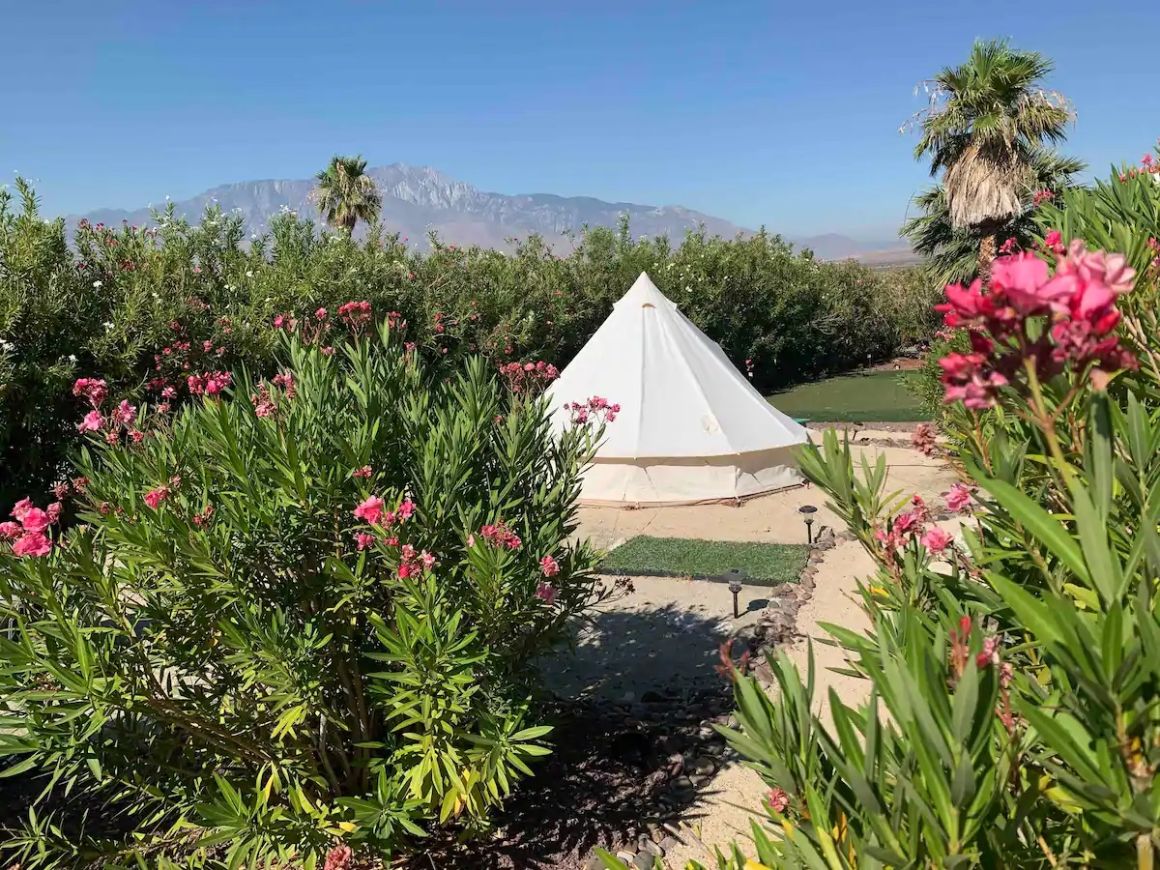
989 654
907 523
216 382
327 351
935 539
285 380
53 512
9 529
92 422
155 497
923 439
406 510
125 413
546 592
263 403
549 567
499 535
371 510
21 508
338 857
427 559
1023 280
32 544
364 540
1053 241
36 520
93 389
777 800
959 498
362 473
320 314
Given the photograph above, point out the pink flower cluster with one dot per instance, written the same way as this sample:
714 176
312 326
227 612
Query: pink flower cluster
1148 166
1042 196
549 567
989 655
180 358
123 418
285 382
777 800
338 858
596 409
546 592
372 511
499 535
413 563
1078 304
528 377
356 315
208 383
923 439
315 328
29 532
910 526
959 498
263 401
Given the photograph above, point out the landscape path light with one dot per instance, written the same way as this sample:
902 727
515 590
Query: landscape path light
807 511
734 576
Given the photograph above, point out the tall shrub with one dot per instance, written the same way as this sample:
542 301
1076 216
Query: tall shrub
299 614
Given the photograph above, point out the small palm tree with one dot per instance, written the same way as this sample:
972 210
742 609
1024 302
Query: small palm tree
952 253
346 194
986 122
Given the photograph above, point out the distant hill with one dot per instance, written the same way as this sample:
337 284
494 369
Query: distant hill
419 199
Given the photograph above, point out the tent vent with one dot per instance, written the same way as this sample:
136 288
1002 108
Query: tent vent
648 305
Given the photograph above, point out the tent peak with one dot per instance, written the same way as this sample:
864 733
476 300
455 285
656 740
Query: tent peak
644 292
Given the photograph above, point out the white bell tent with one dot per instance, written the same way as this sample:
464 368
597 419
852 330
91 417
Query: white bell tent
691 428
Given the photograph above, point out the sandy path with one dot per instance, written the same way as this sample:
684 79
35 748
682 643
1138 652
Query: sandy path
723 814
773 518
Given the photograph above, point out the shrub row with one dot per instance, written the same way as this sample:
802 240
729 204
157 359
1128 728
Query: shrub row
132 304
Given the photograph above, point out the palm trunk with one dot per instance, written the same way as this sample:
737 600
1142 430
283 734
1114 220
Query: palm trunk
986 257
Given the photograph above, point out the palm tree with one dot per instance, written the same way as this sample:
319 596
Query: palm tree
952 253
346 194
986 122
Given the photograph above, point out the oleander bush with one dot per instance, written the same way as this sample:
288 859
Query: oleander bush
296 615
1120 213
132 304
1013 656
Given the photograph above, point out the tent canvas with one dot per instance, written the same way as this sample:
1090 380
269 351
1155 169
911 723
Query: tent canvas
691 427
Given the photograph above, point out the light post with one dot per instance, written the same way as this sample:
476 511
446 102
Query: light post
807 511
734 576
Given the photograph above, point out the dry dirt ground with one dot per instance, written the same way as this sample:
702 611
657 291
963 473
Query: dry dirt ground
666 632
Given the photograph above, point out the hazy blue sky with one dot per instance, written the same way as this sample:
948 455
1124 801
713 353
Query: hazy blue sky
764 113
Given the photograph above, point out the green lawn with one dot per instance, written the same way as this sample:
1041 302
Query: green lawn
872 397
763 564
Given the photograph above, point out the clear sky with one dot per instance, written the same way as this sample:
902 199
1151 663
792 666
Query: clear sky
768 113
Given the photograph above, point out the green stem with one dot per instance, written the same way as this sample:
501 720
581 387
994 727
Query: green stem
1046 423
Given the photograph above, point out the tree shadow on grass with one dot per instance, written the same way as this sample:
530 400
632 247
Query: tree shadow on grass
631 747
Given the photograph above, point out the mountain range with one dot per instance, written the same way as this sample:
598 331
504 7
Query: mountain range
418 200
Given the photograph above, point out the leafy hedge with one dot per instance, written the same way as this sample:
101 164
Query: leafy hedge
297 616
109 303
